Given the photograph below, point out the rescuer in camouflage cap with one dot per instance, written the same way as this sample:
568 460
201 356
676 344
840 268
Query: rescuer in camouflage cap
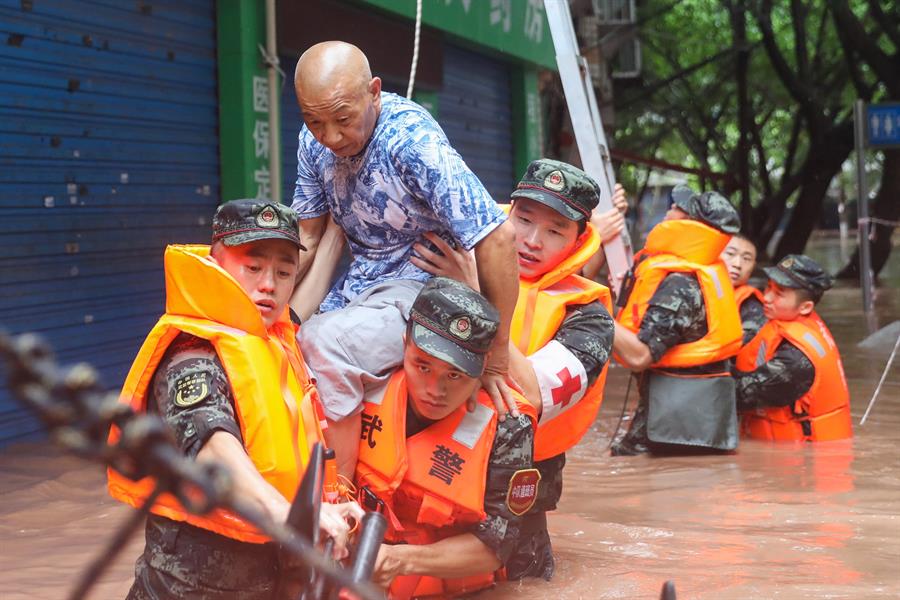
566 189
243 221
454 323
798 271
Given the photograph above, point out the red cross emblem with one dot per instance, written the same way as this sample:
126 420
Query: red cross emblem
568 387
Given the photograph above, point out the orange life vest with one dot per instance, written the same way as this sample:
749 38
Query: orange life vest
688 246
438 494
825 408
540 311
742 294
276 402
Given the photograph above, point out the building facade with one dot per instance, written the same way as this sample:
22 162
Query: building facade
124 124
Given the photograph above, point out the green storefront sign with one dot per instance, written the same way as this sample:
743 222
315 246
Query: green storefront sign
243 100
514 27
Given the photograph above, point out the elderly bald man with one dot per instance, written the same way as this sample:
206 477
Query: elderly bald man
384 171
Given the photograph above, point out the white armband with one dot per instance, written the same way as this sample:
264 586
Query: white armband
561 377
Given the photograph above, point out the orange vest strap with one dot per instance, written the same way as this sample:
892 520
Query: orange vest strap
744 292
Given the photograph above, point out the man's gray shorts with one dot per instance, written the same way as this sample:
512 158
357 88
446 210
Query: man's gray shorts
358 346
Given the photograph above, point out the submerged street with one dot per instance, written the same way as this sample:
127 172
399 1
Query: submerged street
771 521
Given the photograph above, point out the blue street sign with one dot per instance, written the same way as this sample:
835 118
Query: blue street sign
883 125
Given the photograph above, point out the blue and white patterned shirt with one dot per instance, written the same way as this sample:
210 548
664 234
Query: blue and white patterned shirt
407 181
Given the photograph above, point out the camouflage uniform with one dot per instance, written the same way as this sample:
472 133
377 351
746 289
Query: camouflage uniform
676 314
180 560
780 382
752 318
457 325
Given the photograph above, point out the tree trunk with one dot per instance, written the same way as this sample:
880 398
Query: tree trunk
742 59
768 214
817 176
887 207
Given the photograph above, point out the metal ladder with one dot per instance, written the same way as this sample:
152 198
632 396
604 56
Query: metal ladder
588 128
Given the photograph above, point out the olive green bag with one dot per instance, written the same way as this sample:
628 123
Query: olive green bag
692 411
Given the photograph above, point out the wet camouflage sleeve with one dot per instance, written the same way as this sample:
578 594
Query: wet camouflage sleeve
676 315
780 382
587 332
192 394
513 450
182 561
752 318
550 488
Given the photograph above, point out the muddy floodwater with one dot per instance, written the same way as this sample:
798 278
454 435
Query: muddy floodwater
770 521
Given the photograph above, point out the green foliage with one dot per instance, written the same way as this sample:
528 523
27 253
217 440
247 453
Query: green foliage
686 111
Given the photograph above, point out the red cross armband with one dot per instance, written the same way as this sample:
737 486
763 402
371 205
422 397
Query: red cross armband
561 377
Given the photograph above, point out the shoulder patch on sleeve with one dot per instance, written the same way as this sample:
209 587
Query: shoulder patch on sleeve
522 491
192 388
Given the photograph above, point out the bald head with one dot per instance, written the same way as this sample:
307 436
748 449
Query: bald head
338 96
330 64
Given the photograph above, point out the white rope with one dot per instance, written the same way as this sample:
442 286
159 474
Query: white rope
887 368
272 61
415 58
878 221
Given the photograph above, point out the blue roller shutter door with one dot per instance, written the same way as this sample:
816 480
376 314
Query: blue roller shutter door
475 112
291 121
108 152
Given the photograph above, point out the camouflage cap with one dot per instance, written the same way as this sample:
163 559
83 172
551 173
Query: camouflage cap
244 221
681 196
711 208
716 211
566 189
454 323
800 271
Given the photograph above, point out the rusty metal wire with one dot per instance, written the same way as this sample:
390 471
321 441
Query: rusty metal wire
78 414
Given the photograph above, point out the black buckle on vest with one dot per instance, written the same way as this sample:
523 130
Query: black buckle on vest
625 290
805 423
369 501
807 428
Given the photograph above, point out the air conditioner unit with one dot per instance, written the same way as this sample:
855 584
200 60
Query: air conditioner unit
615 12
627 62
